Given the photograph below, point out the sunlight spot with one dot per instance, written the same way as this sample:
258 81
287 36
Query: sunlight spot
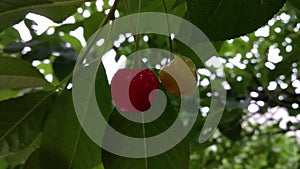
214 148
226 85
204 72
284 17
164 61
273 54
100 42
24 31
236 61
50 31
258 75
229 65
213 61
70 85
271 22
295 105
249 55
146 38
204 82
35 63
43 23
239 78
26 50
253 108
131 39
272 85
99 5
46 61
245 38
296 83
110 64
106 11
283 85
288 40
204 111
49 77
86 13
87 4
230 41
277 30
78 33
79 10
111 2
260 103
263 31
117 14
270 65
289 48
254 94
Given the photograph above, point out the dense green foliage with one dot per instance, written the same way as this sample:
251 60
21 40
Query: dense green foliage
257 41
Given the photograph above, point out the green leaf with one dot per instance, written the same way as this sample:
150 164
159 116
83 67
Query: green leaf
64 144
92 24
57 13
295 3
75 43
13 11
175 158
99 167
19 158
21 120
3 163
19 74
103 96
153 6
33 162
7 94
8 36
226 19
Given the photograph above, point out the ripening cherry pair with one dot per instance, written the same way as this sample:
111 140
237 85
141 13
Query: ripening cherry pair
133 90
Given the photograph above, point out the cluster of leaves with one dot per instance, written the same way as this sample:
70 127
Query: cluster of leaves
38 124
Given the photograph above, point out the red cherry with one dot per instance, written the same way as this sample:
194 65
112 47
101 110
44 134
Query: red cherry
130 89
140 88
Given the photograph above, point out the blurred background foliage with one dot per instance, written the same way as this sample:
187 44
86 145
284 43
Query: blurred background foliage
261 122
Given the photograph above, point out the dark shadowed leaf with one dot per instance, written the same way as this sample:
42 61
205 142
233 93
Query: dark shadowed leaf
64 143
175 158
21 120
226 19
33 162
103 93
17 159
13 11
63 66
19 74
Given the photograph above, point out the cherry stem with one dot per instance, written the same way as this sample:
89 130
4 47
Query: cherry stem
137 62
169 30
